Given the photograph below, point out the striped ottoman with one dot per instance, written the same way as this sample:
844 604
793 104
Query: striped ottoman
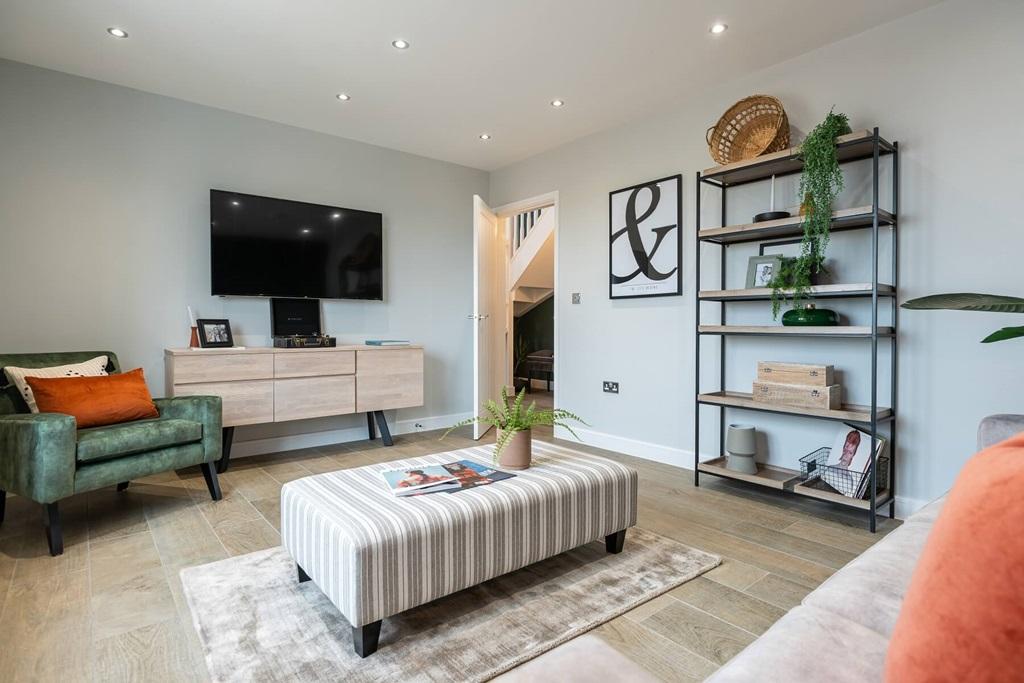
375 555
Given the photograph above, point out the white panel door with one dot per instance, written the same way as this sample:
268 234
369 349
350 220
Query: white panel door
489 303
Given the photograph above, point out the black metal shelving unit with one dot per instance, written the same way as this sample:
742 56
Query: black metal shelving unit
857 146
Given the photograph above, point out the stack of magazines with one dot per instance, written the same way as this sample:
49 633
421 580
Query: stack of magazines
449 477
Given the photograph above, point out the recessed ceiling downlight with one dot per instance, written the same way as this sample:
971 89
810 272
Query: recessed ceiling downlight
400 44
117 32
557 103
485 136
344 97
718 28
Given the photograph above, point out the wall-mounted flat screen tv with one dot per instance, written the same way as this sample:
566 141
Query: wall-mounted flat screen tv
274 247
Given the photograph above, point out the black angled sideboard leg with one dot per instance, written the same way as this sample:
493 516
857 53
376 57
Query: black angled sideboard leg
212 483
3 505
369 426
54 536
385 433
613 542
227 435
123 486
303 576
365 638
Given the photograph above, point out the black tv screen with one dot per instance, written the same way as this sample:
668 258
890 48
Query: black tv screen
274 247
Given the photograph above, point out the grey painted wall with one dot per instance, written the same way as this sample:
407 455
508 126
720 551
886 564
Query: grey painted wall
946 83
104 229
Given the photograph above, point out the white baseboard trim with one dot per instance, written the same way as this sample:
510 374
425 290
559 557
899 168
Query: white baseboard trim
908 506
640 449
277 444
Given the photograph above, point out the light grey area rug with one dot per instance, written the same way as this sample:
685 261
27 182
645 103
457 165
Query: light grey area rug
257 623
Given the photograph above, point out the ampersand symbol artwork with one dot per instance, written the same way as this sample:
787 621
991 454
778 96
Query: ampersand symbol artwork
637 240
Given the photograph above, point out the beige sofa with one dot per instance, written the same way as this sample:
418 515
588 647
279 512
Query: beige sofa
841 630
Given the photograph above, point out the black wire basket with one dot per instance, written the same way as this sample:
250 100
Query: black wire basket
813 466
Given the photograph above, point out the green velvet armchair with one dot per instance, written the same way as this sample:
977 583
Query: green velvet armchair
45 457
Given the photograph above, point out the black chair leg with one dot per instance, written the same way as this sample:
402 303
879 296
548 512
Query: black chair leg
369 426
54 535
613 542
365 638
212 483
303 576
123 486
3 505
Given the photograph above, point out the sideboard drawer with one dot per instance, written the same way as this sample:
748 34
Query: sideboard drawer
245 403
307 397
389 378
222 367
314 363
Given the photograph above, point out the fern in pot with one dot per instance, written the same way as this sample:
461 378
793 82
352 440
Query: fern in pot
514 422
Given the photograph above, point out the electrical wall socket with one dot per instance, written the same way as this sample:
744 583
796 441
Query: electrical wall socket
611 387
577 298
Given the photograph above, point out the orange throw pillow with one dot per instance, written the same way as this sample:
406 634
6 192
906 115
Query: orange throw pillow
95 401
963 615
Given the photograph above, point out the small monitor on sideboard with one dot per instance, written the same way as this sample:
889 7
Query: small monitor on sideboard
295 317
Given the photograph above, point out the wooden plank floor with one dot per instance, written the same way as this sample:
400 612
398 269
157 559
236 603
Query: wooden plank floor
111 607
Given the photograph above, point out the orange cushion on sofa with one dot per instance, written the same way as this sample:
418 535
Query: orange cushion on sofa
963 615
95 401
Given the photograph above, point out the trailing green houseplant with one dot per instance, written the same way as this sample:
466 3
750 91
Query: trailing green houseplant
786 279
510 417
990 303
821 181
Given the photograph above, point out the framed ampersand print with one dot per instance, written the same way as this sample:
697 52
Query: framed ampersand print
645 249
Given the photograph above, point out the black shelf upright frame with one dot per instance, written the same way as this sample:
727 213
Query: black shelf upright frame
878 147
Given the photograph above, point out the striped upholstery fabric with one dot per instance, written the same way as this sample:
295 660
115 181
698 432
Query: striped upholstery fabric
374 554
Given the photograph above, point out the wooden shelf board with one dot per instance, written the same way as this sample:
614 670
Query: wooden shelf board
738 399
819 291
843 219
809 489
795 330
771 476
850 147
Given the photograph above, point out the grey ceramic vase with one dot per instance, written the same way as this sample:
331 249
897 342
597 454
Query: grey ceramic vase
518 451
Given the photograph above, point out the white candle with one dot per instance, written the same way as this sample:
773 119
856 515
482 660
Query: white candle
191 317
773 193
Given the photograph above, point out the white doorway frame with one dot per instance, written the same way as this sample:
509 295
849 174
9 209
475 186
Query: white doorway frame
506 211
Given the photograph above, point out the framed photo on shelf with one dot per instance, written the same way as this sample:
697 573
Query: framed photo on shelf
215 333
645 248
761 270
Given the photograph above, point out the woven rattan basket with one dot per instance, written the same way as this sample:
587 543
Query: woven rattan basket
753 126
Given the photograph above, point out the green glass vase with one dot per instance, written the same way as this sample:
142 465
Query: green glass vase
809 316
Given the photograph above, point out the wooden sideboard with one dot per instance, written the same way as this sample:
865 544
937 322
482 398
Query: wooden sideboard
260 385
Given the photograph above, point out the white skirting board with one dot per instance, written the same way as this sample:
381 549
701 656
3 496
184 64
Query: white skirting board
683 458
241 449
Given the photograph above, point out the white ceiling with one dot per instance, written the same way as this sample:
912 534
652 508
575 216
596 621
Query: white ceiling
474 65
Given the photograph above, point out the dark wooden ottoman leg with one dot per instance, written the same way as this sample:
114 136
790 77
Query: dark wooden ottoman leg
303 576
365 638
613 542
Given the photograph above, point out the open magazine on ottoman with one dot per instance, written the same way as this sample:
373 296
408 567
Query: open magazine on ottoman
449 477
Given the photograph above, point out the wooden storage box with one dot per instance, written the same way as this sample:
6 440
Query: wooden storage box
795 373
824 397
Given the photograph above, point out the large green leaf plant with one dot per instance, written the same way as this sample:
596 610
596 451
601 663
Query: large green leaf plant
510 416
990 303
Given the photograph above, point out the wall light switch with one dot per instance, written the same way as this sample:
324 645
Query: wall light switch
577 298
